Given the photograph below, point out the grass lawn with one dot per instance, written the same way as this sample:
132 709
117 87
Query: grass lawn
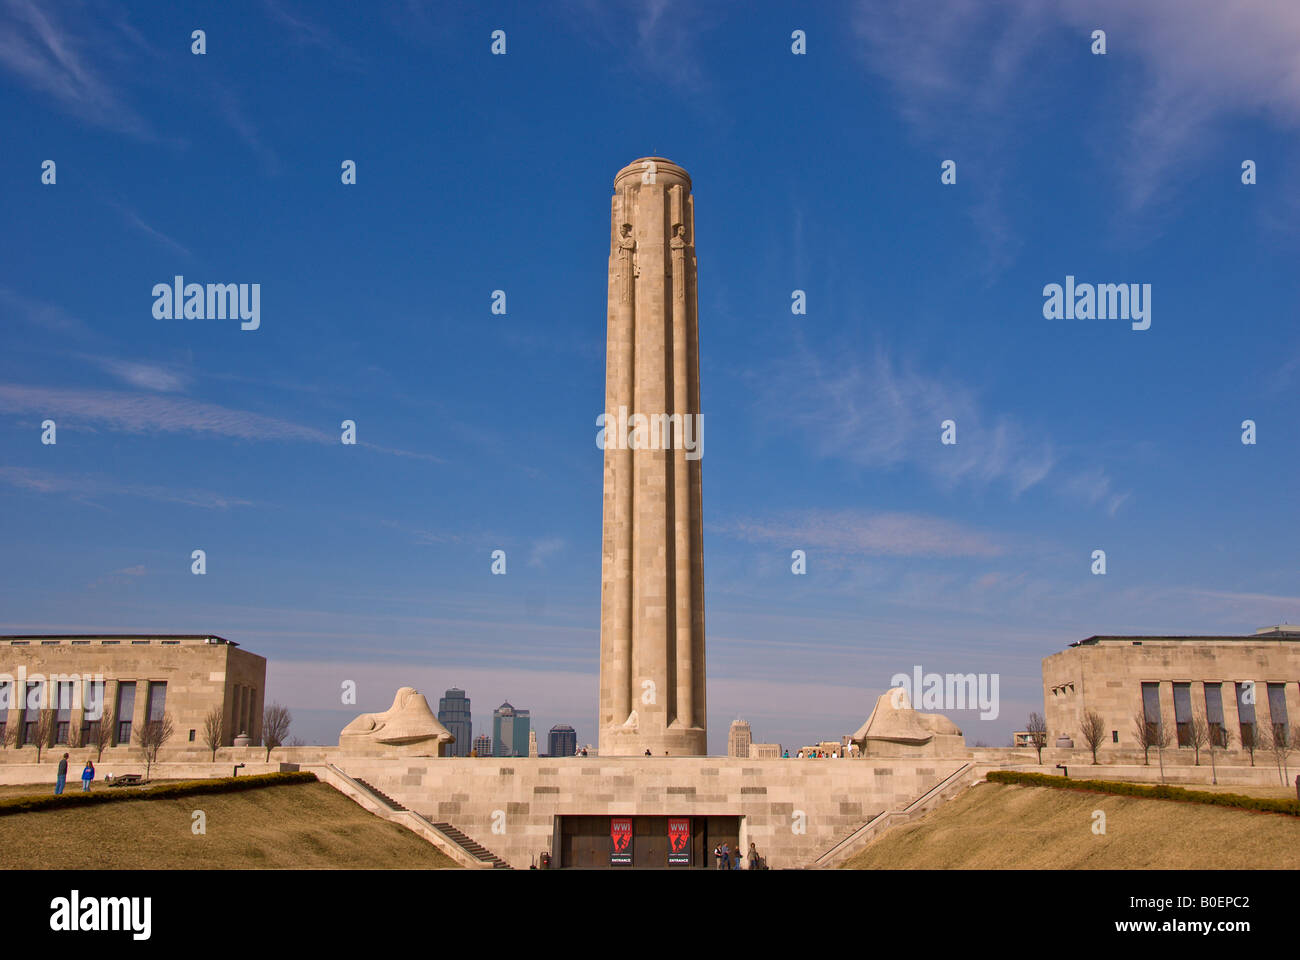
1001 826
47 789
296 826
1276 793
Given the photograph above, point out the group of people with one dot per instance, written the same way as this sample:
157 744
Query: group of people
87 775
819 754
724 859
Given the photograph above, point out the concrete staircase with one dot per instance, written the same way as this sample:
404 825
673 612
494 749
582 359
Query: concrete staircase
477 849
947 788
392 804
444 836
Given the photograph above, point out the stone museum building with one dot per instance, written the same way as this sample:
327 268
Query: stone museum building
138 677
1238 684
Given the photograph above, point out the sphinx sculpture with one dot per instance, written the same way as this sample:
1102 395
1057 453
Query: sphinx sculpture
408 728
894 729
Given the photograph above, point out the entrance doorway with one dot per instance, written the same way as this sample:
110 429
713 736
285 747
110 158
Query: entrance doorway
588 842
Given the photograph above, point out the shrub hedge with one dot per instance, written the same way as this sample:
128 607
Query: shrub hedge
183 788
1153 791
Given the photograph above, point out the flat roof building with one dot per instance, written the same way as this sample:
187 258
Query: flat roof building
454 714
739 737
510 728
135 679
562 741
1238 686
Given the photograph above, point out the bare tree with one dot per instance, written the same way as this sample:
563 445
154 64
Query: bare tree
13 735
1142 731
1094 732
44 731
1280 742
1221 738
1198 734
1160 739
1037 730
275 727
101 735
151 737
214 729
1250 740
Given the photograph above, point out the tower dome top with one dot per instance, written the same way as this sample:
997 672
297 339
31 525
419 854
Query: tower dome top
663 170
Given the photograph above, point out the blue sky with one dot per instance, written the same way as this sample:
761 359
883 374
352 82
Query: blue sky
818 172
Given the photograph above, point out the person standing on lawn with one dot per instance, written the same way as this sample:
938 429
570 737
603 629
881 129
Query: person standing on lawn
87 775
63 775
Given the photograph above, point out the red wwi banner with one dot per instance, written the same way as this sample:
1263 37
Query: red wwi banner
679 841
620 841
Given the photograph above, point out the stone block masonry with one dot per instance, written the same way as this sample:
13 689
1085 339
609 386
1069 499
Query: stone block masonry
792 810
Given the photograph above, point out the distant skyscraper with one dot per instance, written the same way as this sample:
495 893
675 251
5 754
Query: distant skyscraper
453 713
562 741
739 739
483 745
510 731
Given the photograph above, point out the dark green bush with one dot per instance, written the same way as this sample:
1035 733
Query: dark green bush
1152 791
184 788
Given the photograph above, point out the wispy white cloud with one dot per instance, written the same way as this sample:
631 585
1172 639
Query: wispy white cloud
659 39
1203 61
230 110
957 69
118 578
543 550
141 413
44 316
146 376
426 538
306 32
149 413
861 533
1094 487
878 413
135 220
88 488
46 55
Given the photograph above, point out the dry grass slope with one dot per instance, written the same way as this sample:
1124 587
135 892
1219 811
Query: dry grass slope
301 826
999 826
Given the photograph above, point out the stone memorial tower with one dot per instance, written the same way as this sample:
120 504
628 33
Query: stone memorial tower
652 560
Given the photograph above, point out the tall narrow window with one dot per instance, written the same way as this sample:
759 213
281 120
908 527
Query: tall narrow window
1246 712
124 710
1277 710
1214 713
6 702
1151 709
63 716
92 711
33 704
1183 713
7 699
157 702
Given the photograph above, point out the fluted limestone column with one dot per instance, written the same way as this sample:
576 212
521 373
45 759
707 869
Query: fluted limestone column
652 564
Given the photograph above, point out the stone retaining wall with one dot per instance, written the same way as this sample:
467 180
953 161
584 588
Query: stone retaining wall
793 810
